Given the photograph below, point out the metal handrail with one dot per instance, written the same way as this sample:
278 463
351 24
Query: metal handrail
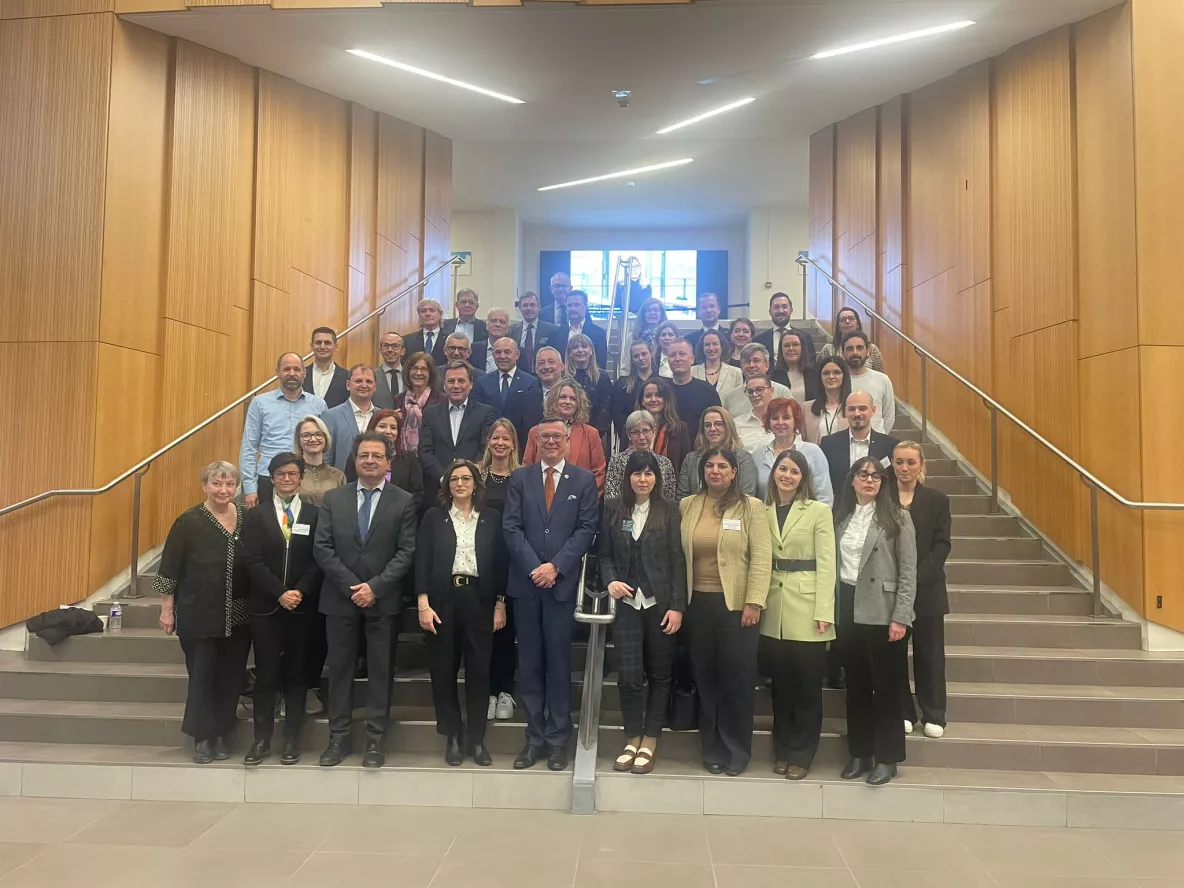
141 468
596 618
1088 478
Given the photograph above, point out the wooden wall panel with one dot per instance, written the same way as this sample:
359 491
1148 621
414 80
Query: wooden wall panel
822 210
400 181
1106 182
972 177
16 9
363 186
274 181
437 180
1034 185
931 170
396 269
54 76
134 231
1163 473
1157 32
855 176
211 188
890 180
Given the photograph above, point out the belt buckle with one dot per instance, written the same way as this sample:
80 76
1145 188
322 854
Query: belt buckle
456 581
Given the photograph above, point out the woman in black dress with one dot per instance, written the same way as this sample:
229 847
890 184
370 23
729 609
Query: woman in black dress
501 458
580 362
203 598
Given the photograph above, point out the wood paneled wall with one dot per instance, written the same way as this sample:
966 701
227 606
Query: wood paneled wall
170 221
1009 242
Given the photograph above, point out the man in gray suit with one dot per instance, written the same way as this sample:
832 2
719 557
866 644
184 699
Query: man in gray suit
388 376
365 544
348 420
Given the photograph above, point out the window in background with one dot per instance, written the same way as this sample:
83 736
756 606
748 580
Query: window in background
670 275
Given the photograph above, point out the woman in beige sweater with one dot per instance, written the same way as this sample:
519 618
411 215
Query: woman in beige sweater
727 544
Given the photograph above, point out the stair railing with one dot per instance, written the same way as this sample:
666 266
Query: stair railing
141 468
996 409
594 609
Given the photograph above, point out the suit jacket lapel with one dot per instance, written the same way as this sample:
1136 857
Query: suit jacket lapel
540 493
869 543
794 516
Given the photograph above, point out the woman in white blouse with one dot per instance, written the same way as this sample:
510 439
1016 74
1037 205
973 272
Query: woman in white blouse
877 567
711 363
824 414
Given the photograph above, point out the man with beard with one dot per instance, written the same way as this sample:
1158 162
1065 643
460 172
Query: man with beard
865 379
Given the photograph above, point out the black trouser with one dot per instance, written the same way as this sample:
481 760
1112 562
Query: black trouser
216 667
465 628
342 634
504 657
724 664
545 629
877 675
282 641
316 651
797 669
929 670
644 654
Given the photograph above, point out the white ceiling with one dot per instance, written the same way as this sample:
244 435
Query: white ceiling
566 60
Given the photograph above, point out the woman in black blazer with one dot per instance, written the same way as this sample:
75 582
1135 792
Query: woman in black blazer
930 511
285 584
580 363
642 564
460 578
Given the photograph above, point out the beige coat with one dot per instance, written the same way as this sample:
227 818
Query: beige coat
796 600
744 555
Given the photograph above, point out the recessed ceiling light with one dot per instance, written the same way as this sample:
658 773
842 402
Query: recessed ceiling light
899 38
622 174
411 69
733 106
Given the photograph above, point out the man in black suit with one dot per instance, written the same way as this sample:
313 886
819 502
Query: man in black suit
456 428
781 310
365 544
579 322
858 440
466 320
388 378
430 336
525 408
325 378
551 516
532 334
498 387
708 312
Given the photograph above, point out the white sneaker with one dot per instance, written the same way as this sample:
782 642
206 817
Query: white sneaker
491 712
505 706
934 731
908 726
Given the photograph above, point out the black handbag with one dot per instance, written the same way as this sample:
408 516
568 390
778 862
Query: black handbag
683 714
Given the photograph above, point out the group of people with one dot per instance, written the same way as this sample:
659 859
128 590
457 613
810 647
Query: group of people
758 519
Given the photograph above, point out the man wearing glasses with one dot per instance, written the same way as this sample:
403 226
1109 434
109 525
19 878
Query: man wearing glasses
751 425
754 361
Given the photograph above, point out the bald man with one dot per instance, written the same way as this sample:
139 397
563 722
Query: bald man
505 381
858 440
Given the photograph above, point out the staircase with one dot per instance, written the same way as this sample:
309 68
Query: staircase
1056 717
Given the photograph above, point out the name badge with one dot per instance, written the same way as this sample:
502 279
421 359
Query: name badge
627 526
300 530
886 462
731 524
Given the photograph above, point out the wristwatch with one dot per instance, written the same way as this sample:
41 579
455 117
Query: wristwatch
501 599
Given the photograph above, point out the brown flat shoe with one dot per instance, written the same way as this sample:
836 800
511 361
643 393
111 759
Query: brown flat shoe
644 763
795 773
780 768
624 761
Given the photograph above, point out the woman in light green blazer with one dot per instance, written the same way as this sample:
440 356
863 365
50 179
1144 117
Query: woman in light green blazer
799 613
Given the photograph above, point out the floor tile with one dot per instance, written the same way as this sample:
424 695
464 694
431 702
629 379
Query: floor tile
168 824
233 867
405 871
10 778
189 784
646 837
771 841
878 878
49 820
458 872
1005 808
1048 852
543 834
1014 879
497 789
615 873
1110 811
762 798
96 866
303 786
271 828
919 847
651 794
731 876
54 781
448 789
883 803
14 854
394 830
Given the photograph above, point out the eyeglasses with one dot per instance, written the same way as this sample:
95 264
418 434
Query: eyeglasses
550 437
312 436
757 392
867 476
712 425
460 479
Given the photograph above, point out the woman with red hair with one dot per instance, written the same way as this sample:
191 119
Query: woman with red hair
785 421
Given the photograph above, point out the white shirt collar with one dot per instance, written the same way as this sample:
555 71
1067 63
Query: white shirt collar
357 409
510 373
381 485
461 406
294 505
316 369
558 467
458 515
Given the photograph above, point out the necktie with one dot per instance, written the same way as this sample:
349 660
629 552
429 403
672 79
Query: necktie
505 386
549 487
364 513
288 520
392 381
528 345
431 338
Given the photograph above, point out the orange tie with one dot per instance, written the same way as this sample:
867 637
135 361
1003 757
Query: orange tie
549 487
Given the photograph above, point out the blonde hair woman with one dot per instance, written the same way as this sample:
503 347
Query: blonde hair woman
568 401
650 314
580 365
666 333
716 429
499 460
311 442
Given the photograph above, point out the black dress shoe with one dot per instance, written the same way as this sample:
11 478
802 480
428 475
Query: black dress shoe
203 752
881 774
452 754
557 758
836 682
374 757
290 754
336 752
713 768
260 750
779 768
733 772
528 757
221 749
856 768
480 754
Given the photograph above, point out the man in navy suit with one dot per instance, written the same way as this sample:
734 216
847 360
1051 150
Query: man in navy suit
524 409
579 322
550 519
430 336
496 388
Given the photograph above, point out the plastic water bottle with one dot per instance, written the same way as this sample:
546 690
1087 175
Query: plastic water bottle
115 618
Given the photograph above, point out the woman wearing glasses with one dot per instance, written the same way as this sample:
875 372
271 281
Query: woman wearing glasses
877 567
312 439
716 429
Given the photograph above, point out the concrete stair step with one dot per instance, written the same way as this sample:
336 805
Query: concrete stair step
1067 601
970 504
987 548
1063 666
951 485
1042 631
987 526
978 572
940 467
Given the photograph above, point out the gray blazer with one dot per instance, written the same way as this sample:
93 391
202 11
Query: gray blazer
343 428
887 583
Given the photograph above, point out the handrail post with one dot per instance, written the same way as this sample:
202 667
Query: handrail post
994 459
133 589
1095 548
924 397
805 283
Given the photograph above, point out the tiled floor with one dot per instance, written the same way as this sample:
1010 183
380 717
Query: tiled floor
51 843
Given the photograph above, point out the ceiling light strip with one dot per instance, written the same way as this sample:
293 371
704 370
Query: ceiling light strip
899 38
623 173
411 69
726 108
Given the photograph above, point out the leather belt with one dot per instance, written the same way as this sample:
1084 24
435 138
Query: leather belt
792 565
463 580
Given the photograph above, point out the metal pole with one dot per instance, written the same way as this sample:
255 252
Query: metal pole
1095 549
805 287
133 589
924 398
994 460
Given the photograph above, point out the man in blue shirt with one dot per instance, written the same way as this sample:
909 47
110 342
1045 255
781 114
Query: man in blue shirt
271 425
